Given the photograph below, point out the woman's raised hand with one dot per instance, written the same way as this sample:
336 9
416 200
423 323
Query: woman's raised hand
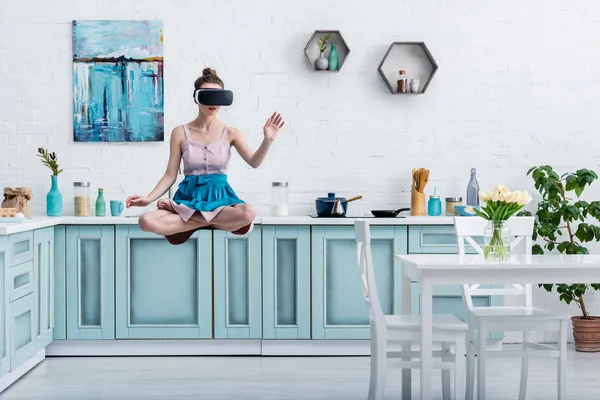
273 125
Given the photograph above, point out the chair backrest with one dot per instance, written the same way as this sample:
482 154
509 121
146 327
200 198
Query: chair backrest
367 274
521 230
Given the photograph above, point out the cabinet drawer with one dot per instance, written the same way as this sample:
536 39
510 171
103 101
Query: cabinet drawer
22 326
20 247
436 240
20 281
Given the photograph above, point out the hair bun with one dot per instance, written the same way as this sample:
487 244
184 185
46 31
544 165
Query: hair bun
209 71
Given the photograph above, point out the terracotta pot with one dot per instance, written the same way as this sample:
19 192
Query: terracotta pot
586 333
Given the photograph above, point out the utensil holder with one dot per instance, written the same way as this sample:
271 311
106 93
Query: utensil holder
417 203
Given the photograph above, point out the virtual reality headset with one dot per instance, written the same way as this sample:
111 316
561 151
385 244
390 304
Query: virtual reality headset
213 97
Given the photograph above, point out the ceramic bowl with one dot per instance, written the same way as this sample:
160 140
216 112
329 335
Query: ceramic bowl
466 211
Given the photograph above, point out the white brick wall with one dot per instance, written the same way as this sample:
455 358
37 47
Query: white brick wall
517 86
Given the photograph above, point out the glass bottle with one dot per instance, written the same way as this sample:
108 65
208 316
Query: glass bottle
333 58
473 190
100 204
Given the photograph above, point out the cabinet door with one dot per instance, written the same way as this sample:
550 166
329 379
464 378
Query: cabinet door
237 270
22 324
447 299
286 282
90 282
339 310
163 291
43 264
4 331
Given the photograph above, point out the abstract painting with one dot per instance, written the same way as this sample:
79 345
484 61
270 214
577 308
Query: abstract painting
118 81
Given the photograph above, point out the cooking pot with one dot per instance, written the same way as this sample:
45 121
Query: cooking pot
332 206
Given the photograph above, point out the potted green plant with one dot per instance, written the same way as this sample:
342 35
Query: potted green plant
54 197
562 224
322 63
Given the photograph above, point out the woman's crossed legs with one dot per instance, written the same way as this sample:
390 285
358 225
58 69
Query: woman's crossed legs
164 221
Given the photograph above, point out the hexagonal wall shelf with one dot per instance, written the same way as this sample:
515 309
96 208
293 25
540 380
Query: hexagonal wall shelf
312 50
412 57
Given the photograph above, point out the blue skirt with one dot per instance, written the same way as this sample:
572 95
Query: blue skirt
207 194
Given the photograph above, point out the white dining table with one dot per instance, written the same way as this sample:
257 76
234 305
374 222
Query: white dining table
440 269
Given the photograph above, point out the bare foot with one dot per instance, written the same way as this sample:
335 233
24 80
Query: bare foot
165 204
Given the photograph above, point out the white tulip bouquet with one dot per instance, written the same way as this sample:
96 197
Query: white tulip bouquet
501 204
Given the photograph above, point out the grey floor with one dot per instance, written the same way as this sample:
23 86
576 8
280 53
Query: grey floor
269 378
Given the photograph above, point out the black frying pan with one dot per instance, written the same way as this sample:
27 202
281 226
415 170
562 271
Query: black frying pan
388 213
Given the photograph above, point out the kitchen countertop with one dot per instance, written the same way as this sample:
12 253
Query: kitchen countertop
39 222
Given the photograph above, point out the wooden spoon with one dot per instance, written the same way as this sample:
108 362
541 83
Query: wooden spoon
423 179
416 179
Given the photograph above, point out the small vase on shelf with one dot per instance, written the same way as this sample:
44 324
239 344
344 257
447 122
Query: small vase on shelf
497 239
100 204
321 63
54 199
333 58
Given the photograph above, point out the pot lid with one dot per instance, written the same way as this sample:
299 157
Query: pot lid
330 198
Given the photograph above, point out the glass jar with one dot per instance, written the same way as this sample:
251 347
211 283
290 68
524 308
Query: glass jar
81 193
279 199
452 202
434 206
497 238
402 82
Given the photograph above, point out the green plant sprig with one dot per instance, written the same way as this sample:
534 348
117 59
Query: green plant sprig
322 43
556 215
49 160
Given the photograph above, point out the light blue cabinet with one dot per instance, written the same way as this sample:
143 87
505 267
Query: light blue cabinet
447 299
238 292
4 329
43 263
339 310
90 266
162 291
22 321
286 282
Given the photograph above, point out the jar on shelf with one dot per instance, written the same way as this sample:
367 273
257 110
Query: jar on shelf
452 202
402 82
279 199
81 193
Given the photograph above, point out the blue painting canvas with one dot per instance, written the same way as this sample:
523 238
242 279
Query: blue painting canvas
118 81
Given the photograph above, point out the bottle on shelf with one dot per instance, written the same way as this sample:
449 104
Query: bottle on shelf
473 190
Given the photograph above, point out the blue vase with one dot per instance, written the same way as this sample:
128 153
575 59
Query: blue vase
333 58
54 199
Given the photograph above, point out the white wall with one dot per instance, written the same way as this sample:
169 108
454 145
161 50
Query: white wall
517 86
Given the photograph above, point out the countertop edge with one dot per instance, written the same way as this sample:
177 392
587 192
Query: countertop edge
39 222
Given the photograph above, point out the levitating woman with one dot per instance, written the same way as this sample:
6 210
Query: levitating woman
204 198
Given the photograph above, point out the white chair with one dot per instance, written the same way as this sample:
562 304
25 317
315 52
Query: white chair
525 317
390 333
